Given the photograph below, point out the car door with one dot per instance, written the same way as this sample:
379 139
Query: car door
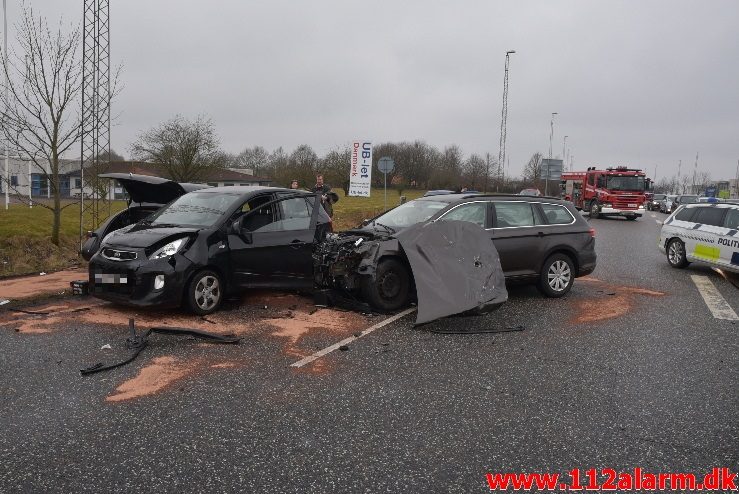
730 238
272 244
518 235
709 228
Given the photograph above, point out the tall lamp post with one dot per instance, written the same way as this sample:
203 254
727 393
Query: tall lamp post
551 136
503 119
5 61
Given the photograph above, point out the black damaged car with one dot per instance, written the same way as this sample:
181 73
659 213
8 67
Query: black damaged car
210 242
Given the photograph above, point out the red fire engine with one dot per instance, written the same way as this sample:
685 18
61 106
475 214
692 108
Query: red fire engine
616 191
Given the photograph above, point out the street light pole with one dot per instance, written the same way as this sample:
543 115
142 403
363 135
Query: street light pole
503 120
564 150
551 137
5 97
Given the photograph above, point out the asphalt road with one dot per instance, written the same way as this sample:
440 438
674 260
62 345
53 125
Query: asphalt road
631 369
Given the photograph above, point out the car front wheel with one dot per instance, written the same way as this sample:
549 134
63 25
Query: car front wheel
557 276
676 254
389 289
205 292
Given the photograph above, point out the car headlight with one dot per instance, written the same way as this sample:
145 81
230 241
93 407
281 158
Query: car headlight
169 250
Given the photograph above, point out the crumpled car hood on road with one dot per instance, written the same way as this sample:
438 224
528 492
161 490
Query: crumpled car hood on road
455 266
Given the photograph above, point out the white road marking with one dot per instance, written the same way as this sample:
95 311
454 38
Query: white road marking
335 346
713 299
653 215
658 222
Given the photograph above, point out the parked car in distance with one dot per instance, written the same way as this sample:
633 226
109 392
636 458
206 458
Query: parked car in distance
530 192
146 195
684 199
702 233
438 192
666 204
653 203
540 240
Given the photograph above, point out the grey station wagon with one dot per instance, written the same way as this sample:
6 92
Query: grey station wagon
540 240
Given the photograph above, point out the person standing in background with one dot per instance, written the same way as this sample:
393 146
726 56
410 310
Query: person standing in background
327 197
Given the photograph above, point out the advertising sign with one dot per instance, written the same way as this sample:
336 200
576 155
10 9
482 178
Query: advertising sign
360 169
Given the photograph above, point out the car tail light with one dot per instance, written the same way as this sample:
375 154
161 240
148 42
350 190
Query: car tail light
592 232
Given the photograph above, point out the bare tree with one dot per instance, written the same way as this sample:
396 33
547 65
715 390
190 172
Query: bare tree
187 150
474 171
256 158
40 117
335 168
532 170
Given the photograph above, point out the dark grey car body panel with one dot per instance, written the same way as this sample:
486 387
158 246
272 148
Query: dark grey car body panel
455 268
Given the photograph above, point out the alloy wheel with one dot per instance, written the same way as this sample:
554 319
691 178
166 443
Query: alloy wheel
207 292
559 275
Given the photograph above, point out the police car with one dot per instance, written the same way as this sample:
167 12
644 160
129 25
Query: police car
705 233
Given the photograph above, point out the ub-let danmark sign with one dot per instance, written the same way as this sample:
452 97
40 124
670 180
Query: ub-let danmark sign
360 169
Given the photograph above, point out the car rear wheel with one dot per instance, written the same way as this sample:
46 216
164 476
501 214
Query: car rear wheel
390 288
631 217
205 292
676 254
594 210
557 276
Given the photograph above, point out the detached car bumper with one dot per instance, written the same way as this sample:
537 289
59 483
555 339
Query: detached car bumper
140 282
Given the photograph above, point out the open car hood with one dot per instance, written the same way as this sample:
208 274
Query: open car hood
152 190
455 266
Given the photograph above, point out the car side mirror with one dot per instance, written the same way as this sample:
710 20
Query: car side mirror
366 222
237 227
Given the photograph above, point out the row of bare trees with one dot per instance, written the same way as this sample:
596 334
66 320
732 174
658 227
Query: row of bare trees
691 183
417 165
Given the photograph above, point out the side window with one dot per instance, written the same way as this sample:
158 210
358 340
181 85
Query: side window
296 214
685 215
732 219
508 214
473 212
591 179
557 215
261 214
710 216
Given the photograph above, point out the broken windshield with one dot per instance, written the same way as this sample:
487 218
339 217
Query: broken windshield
410 213
198 209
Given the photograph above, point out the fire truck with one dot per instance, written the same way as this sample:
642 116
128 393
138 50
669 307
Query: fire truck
616 191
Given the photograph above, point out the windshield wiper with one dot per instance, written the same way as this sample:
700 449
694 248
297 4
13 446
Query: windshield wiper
387 228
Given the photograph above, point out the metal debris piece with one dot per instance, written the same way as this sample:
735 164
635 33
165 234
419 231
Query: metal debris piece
505 329
138 341
3 302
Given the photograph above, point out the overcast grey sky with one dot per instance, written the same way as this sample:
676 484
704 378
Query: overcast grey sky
640 83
